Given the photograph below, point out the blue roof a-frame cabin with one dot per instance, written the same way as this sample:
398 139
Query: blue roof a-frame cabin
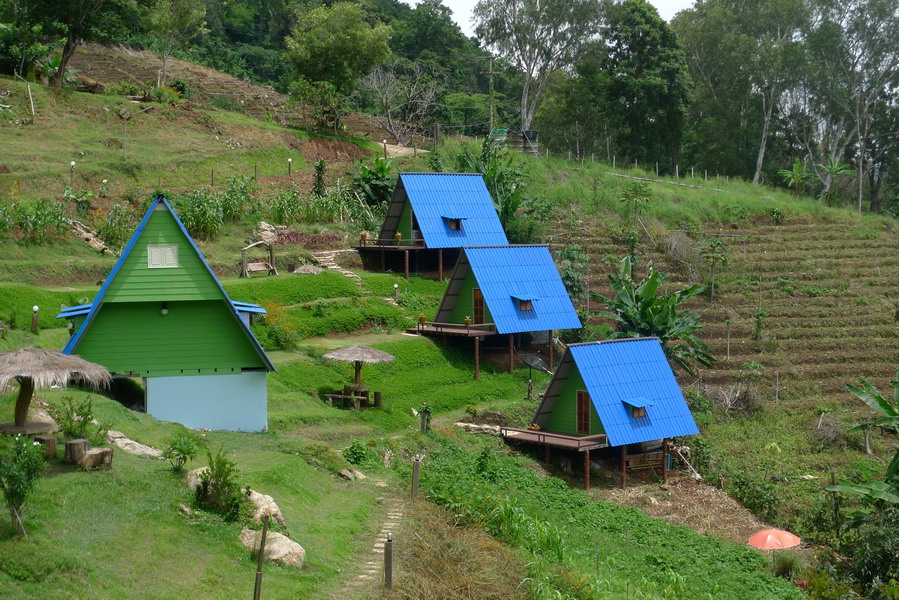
432 216
163 315
612 394
505 290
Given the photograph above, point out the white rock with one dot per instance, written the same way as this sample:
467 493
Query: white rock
357 474
263 504
473 428
193 478
42 416
129 446
266 233
347 474
278 548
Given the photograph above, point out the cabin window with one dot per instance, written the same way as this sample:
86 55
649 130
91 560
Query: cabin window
455 224
583 412
638 411
162 256
525 305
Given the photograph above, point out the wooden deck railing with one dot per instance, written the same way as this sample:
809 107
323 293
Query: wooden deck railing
439 327
555 439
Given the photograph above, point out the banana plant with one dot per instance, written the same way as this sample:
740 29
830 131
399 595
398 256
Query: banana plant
797 177
645 310
834 171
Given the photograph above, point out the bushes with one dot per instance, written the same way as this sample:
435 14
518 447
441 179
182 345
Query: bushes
76 421
201 212
219 489
117 226
21 464
35 222
181 449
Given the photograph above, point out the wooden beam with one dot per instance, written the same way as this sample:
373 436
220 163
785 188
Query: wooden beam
511 354
551 364
440 264
477 358
665 461
406 263
587 471
624 467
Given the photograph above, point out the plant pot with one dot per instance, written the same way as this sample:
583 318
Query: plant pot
422 319
467 321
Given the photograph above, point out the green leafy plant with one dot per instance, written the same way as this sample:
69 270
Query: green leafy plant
777 215
235 197
21 464
201 213
503 177
759 316
716 253
834 171
797 177
82 200
435 162
181 449
117 225
788 565
219 488
375 181
76 421
318 182
356 453
573 264
644 310
636 194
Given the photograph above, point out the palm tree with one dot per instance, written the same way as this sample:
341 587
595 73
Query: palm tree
643 310
833 170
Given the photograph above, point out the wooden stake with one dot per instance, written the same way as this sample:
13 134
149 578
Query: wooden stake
406 263
728 338
388 562
416 469
257 590
255 172
477 358
440 264
587 471
665 461
776 389
212 178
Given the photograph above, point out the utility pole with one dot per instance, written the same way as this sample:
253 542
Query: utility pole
490 73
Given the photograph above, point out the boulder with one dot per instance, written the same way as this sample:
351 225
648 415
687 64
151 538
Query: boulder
266 233
129 446
36 413
474 428
278 548
357 474
263 504
193 478
347 474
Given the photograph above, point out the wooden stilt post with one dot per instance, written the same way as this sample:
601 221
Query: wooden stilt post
550 349
406 263
587 471
665 461
624 467
548 454
383 261
440 264
511 355
477 358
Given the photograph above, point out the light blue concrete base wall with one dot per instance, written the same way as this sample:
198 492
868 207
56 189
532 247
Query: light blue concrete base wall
228 402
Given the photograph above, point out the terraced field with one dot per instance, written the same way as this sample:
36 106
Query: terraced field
830 291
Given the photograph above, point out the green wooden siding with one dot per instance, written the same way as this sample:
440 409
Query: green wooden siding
404 226
464 306
136 282
564 416
200 337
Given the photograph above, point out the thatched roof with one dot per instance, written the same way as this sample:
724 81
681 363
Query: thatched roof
365 354
48 368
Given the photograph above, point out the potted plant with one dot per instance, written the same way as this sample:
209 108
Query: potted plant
422 318
363 235
467 321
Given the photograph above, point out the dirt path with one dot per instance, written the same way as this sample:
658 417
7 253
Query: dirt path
701 507
372 575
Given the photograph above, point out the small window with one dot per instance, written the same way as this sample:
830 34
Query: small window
455 224
524 305
638 411
162 256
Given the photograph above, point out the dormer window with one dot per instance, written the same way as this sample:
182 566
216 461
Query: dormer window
637 406
525 301
454 222
162 256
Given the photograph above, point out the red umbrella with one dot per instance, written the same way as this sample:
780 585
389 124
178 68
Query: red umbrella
774 539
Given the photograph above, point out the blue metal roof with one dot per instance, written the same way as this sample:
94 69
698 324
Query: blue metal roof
98 301
436 196
620 371
505 273
638 402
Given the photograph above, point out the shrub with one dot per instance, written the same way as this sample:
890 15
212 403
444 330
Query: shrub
76 421
755 494
164 95
875 551
21 463
318 185
116 226
236 196
788 565
181 449
356 453
226 103
219 490
41 221
182 87
375 181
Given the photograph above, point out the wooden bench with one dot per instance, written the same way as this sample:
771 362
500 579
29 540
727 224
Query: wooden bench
259 267
648 460
345 400
246 268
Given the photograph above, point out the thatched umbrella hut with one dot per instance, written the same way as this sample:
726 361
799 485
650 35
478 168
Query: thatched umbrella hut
39 368
358 355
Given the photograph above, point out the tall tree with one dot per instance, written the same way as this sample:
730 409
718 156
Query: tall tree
405 93
337 44
648 81
538 37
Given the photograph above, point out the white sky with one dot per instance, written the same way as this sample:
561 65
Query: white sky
462 10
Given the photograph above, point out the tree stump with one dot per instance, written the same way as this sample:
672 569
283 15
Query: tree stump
96 457
75 450
49 442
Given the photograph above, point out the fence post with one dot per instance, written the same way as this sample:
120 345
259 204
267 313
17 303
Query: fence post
416 469
388 562
34 310
257 590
